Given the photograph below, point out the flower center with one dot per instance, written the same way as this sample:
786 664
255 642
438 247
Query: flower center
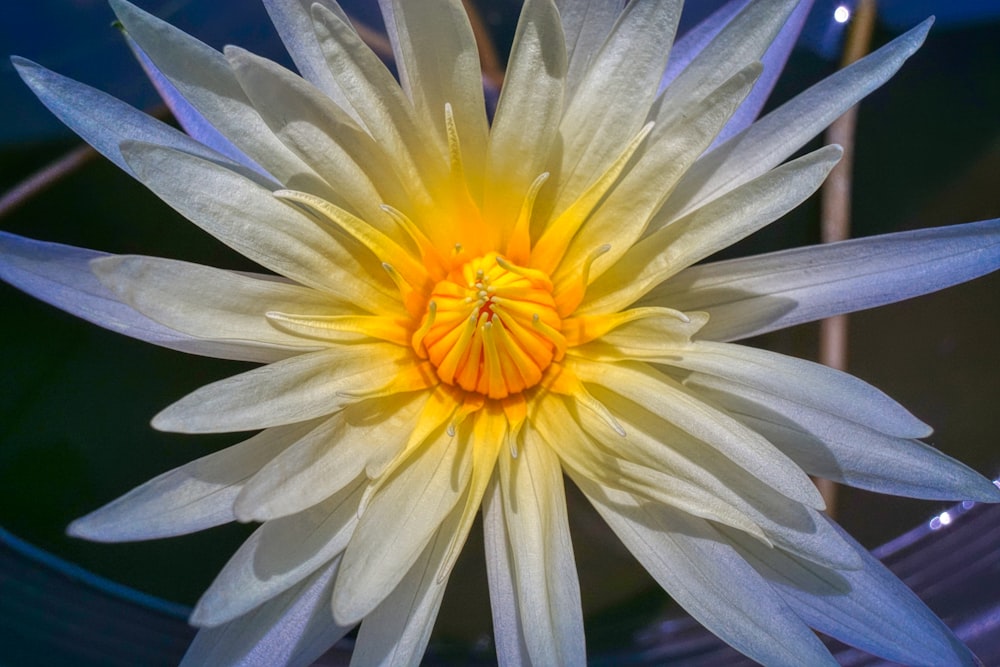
491 327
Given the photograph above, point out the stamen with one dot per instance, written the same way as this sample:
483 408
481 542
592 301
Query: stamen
570 294
534 275
472 403
341 327
458 351
481 335
550 333
519 245
378 243
454 147
428 252
585 328
413 378
515 408
403 286
417 341
563 381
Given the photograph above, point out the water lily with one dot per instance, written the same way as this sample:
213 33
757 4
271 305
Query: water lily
460 313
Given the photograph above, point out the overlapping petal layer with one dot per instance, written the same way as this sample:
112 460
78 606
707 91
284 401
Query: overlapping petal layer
459 312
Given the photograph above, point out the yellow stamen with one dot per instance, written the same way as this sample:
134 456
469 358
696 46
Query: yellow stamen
491 327
565 382
341 327
515 408
428 254
411 298
585 328
519 245
571 291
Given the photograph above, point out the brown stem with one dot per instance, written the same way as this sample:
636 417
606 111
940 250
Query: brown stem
835 216
44 177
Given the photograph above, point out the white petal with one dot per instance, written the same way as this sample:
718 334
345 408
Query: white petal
380 103
323 136
645 386
508 631
747 297
293 21
544 570
279 555
671 148
586 24
105 122
438 64
202 76
173 293
655 443
803 381
698 38
529 111
869 608
742 40
293 629
774 60
396 632
190 498
307 386
249 219
605 461
189 118
60 275
701 571
769 141
829 446
708 229
329 457
611 104
400 521
695 39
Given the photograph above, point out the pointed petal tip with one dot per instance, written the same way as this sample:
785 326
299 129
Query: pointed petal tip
206 614
85 528
346 611
247 511
78 529
989 493
166 421
23 65
31 73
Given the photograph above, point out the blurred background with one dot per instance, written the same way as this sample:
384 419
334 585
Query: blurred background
75 401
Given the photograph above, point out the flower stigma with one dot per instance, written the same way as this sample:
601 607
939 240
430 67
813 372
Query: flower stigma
491 327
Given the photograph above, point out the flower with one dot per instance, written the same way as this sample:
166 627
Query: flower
461 312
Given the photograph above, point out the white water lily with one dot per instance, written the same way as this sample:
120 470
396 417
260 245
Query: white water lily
463 312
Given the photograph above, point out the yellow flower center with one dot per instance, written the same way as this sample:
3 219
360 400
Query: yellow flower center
491 327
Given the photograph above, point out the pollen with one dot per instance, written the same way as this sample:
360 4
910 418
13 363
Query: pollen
491 327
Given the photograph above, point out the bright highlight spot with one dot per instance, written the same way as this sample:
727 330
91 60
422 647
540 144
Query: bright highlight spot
841 14
940 521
